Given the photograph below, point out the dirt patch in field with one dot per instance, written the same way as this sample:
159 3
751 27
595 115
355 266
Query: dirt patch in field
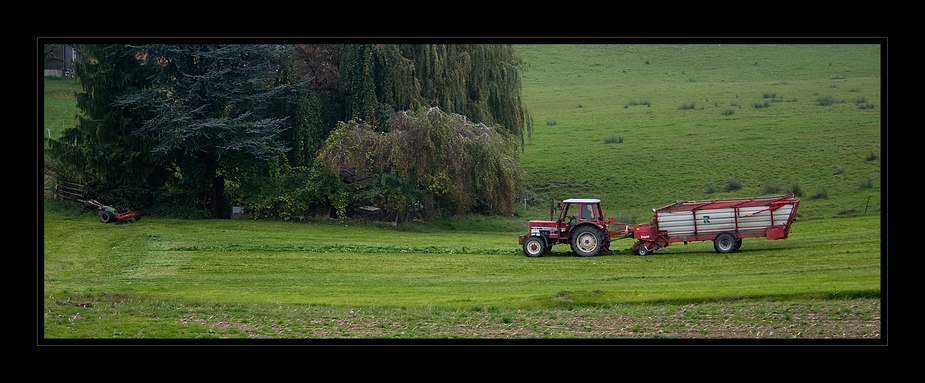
856 319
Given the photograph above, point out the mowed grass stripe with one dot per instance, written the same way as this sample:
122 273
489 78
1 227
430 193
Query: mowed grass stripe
820 257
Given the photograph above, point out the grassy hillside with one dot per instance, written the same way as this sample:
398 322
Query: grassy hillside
60 105
692 118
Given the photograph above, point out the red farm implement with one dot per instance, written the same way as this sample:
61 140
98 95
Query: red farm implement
725 222
110 214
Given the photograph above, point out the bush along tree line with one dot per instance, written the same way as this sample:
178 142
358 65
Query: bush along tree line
293 131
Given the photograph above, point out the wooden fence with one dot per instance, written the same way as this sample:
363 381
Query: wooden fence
69 190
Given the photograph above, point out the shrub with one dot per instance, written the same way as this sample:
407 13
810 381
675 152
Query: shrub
765 104
728 112
865 184
840 169
711 189
769 95
550 122
795 190
687 106
872 156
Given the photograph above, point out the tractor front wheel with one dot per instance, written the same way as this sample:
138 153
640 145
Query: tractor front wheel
587 241
534 247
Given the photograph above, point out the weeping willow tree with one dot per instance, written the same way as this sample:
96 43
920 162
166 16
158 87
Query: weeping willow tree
479 81
445 159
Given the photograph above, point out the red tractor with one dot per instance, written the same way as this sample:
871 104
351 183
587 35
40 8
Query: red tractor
585 230
110 214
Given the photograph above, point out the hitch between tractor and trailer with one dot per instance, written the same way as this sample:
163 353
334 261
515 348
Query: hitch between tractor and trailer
109 214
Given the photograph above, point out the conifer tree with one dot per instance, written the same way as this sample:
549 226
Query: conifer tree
101 151
211 109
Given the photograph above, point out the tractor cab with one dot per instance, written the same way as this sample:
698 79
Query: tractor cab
576 211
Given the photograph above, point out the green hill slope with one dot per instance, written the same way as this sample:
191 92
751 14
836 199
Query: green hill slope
697 119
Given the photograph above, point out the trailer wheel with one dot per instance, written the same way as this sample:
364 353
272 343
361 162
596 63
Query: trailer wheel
587 241
640 250
106 216
724 243
534 247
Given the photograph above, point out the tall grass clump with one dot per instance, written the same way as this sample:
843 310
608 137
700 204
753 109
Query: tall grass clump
732 185
613 139
634 103
687 106
727 112
772 188
763 104
827 100
872 156
820 194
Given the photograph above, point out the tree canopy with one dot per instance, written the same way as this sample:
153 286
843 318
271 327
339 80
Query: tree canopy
195 125
211 108
480 81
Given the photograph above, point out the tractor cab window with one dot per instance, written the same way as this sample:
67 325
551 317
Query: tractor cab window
587 212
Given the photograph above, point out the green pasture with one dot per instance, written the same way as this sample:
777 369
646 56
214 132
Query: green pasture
816 124
60 105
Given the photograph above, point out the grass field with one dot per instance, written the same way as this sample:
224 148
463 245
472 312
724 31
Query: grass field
465 278
669 105
60 105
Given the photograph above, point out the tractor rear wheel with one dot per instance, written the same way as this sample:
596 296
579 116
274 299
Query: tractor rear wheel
106 216
534 247
587 241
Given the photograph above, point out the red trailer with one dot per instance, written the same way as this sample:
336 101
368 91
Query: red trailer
725 222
